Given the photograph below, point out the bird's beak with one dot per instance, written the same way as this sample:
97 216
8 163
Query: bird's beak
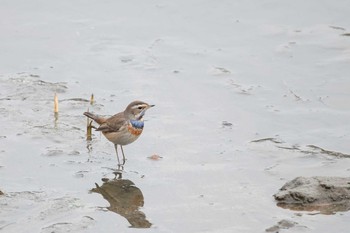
150 106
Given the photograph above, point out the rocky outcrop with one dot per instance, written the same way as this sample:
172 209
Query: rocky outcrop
324 194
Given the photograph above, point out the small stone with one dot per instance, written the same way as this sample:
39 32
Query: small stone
155 157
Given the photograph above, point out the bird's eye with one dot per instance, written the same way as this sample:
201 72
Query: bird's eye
140 107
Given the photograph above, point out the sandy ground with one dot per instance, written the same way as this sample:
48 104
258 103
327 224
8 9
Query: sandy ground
221 74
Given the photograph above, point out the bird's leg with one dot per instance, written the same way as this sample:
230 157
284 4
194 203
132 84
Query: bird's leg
123 154
116 151
119 172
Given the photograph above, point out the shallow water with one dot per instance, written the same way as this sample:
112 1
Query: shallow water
223 76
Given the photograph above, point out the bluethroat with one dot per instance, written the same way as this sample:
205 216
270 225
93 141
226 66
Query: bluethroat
122 128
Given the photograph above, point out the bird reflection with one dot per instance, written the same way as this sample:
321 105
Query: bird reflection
125 199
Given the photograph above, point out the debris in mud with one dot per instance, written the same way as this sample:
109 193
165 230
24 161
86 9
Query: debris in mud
308 149
76 99
222 70
274 140
55 101
337 28
283 224
89 127
126 59
242 89
297 97
324 194
92 99
345 34
226 124
311 149
320 150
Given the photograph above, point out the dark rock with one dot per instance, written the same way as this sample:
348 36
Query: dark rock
324 194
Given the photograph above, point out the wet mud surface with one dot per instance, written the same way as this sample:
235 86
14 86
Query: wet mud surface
248 97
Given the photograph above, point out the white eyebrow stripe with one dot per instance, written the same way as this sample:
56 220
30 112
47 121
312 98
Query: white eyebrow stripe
139 105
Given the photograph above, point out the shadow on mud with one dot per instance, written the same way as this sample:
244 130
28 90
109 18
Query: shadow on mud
125 199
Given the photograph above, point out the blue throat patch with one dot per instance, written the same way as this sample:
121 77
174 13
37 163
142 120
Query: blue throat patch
137 124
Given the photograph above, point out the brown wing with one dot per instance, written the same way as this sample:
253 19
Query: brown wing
112 124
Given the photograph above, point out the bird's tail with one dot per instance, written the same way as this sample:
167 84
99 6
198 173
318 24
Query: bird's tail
99 120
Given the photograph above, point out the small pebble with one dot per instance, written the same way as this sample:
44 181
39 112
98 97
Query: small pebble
155 157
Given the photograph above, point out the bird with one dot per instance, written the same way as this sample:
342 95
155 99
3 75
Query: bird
122 128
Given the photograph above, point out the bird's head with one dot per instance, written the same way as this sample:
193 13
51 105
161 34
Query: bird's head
136 110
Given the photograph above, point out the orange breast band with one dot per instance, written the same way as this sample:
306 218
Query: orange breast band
134 131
